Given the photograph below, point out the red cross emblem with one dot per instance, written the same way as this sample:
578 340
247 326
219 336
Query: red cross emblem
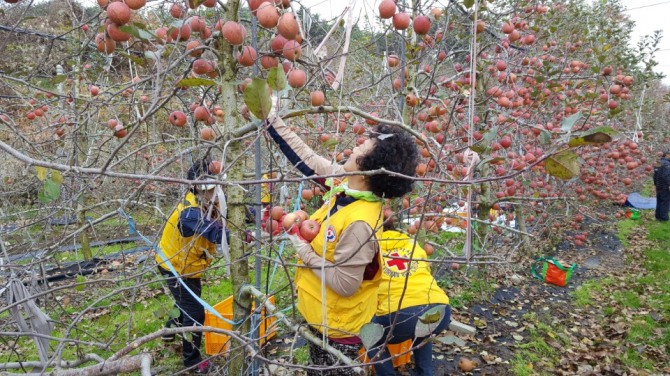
400 264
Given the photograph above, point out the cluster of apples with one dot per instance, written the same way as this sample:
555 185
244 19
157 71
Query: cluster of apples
295 223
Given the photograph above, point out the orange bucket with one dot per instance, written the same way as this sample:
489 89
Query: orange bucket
216 343
399 353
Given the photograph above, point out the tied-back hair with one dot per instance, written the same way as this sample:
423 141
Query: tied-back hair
394 150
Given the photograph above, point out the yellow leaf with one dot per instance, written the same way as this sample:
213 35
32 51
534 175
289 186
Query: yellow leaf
41 173
57 177
563 165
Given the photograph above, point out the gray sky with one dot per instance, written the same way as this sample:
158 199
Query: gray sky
650 15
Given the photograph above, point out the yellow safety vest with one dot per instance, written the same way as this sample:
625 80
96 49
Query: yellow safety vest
344 315
188 255
265 191
421 287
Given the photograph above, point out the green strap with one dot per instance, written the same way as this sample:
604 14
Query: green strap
533 268
559 265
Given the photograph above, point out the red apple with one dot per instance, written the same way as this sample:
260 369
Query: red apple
309 229
302 215
178 118
271 226
289 220
277 212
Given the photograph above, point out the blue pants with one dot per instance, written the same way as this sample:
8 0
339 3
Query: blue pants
405 322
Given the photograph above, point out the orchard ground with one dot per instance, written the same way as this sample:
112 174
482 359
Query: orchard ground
612 318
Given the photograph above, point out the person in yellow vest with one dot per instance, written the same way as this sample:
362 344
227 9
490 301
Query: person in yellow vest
350 221
407 290
189 242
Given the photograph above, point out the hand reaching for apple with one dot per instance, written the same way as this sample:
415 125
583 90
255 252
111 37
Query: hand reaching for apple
301 246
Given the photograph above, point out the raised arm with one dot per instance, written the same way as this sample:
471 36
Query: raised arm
300 154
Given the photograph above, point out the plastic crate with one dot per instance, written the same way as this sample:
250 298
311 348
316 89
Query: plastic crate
216 343
399 351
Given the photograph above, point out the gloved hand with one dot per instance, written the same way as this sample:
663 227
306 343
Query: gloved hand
470 160
301 246
470 157
275 106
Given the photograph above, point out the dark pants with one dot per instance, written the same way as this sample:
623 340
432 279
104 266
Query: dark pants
662 204
191 313
320 357
402 331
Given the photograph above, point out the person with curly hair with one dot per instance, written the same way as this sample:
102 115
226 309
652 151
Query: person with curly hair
345 255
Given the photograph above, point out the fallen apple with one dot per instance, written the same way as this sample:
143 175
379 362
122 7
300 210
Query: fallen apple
466 365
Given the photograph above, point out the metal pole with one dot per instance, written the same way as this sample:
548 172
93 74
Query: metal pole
255 317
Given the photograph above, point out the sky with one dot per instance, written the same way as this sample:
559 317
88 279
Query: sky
648 15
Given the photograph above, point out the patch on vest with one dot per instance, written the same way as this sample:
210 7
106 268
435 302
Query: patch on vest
395 266
330 234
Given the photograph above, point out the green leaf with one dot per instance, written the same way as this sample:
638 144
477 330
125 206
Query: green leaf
190 82
137 32
429 321
257 98
174 313
479 148
51 190
58 79
42 198
277 78
135 59
600 135
370 334
485 143
421 236
431 316
153 55
545 136
567 124
41 173
160 312
330 142
563 165
80 279
177 24
490 134
57 177
493 161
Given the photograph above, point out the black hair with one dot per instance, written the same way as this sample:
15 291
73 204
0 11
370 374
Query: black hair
394 150
199 169
389 224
